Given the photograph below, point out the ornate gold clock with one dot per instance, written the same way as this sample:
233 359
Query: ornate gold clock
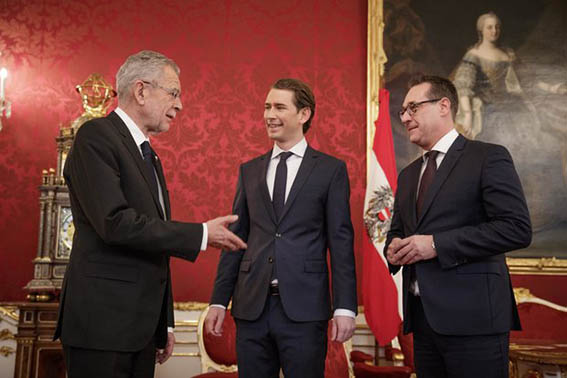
56 227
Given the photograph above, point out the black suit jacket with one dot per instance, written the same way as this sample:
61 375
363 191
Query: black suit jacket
316 216
475 209
117 289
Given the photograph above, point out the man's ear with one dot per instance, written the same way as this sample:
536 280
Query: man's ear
139 94
445 106
305 113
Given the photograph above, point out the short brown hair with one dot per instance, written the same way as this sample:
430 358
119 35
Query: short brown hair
302 96
440 87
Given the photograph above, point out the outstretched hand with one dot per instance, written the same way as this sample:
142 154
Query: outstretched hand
219 236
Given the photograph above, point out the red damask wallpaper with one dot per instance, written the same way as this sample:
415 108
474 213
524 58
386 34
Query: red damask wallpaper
229 52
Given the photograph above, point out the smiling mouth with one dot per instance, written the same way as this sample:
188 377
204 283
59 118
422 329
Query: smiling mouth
273 126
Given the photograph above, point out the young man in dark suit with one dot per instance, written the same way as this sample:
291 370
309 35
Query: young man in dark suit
293 205
458 209
116 301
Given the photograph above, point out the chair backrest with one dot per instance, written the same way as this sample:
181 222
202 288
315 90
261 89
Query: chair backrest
337 363
218 353
541 320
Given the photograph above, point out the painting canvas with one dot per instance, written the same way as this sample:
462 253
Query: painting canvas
512 93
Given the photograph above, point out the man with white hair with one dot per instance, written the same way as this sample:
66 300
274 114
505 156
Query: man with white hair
116 301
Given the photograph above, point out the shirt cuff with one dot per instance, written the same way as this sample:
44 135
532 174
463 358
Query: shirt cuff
205 237
218 305
170 329
344 312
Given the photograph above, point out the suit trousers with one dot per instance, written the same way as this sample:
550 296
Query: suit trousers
91 363
447 356
273 341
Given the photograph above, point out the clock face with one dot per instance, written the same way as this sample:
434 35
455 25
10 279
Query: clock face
66 232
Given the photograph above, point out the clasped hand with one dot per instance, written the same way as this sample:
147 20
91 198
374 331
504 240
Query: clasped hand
410 250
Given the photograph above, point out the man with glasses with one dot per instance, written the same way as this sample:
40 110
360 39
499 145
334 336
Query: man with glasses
116 302
458 209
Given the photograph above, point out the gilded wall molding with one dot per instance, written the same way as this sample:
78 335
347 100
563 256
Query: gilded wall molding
7 351
6 334
376 60
10 312
550 266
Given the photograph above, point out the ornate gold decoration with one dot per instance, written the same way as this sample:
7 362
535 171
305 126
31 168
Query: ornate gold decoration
96 94
6 351
376 59
541 266
10 312
190 306
6 334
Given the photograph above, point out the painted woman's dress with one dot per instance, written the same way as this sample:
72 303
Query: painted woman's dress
503 114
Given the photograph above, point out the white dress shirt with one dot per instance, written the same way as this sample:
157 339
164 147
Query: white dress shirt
442 146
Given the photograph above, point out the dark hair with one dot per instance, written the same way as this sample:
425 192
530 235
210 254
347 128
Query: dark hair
440 87
302 96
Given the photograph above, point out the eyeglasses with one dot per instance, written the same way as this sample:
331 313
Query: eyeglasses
173 92
413 106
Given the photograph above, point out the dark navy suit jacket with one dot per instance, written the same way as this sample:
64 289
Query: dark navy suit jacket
316 217
476 211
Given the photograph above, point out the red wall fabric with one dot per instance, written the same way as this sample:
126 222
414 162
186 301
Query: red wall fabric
229 53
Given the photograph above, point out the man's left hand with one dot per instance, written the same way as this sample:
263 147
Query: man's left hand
416 248
163 355
342 328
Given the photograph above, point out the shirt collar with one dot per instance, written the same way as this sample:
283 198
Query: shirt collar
444 143
137 134
299 149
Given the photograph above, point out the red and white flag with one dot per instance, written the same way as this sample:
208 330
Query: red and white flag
381 292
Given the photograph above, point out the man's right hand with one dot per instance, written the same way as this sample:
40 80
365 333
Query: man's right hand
219 236
214 320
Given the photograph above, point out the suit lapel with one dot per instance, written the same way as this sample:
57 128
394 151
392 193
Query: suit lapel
447 165
307 164
263 185
136 155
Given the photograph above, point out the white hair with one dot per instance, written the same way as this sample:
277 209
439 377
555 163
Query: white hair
144 65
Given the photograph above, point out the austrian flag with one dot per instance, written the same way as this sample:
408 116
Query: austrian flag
381 293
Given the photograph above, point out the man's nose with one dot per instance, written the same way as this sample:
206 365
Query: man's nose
405 117
178 105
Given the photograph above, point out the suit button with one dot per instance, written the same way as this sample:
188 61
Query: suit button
278 235
270 259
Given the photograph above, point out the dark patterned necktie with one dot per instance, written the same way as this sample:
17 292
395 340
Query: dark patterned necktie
280 184
426 179
149 156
